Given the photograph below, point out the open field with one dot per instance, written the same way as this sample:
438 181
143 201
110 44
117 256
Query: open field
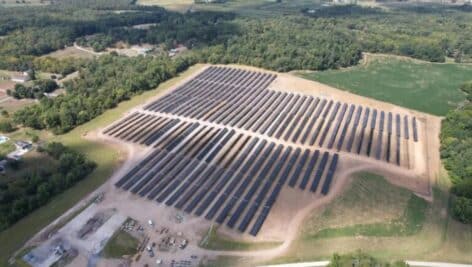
122 243
107 158
214 241
427 87
6 148
377 217
70 52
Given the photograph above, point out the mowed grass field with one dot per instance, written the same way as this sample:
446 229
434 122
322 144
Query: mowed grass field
215 241
427 87
386 221
108 159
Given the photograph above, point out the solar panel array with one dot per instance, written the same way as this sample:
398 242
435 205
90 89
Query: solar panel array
219 174
216 150
241 99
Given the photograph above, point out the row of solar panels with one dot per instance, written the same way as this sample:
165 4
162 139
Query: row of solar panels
209 87
301 119
218 173
333 128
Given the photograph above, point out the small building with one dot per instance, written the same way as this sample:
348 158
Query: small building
3 139
142 50
179 49
20 77
23 145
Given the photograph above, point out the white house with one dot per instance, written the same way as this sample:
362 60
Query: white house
20 77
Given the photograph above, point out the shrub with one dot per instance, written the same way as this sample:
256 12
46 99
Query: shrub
6 127
462 209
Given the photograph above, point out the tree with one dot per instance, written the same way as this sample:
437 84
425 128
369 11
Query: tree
6 126
361 259
462 209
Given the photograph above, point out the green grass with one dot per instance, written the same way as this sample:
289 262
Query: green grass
106 157
222 261
121 244
19 262
360 216
215 241
408 224
427 87
6 148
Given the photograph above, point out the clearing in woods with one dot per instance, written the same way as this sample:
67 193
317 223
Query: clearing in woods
402 81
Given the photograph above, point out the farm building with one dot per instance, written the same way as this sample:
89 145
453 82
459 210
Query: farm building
21 77
179 49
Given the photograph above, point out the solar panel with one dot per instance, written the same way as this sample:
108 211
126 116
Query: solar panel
329 176
336 126
252 190
155 136
118 126
407 132
299 168
144 169
345 127
415 130
378 152
290 165
320 125
313 121
295 122
309 169
304 121
137 168
319 172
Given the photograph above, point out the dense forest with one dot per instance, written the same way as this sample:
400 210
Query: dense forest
20 197
456 152
36 91
101 85
334 37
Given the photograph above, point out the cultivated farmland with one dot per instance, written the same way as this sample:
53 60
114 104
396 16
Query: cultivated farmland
402 81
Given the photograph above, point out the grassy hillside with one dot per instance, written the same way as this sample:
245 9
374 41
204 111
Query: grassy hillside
106 157
427 87
386 221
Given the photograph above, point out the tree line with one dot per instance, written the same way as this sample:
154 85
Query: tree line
36 91
329 38
101 85
361 259
21 196
456 153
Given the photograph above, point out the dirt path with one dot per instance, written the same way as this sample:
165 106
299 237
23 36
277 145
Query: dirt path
76 46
